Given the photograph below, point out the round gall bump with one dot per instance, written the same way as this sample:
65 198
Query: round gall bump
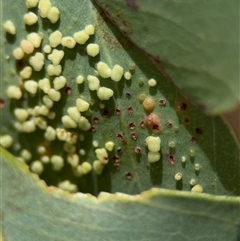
31 86
44 7
153 143
197 188
37 167
56 56
68 42
104 93
47 49
92 50
6 141
26 72
192 182
26 155
54 95
73 159
82 105
178 176
80 79
117 73
57 162
153 156
89 29
171 144
152 82
55 38
30 18
54 70
74 113
37 61
21 114
44 85
68 186
27 46
18 53
68 122
183 159
93 82
109 145
81 37
9 27
31 3
127 75
98 167
102 155
86 167
53 14
84 124
59 82
14 92
197 167
103 70
148 104
50 134
191 153
35 39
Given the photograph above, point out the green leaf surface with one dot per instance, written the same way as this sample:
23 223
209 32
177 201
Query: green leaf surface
216 151
30 211
195 43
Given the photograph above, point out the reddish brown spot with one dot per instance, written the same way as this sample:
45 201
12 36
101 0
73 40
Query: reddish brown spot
20 64
169 124
116 159
181 106
128 175
117 166
148 166
120 137
2 103
142 124
171 159
96 120
117 111
153 122
105 113
93 129
128 95
134 136
199 131
132 4
138 150
119 149
131 126
162 102
129 110
194 140
186 120
68 90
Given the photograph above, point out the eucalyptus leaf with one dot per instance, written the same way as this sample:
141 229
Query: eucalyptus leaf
31 211
195 43
206 143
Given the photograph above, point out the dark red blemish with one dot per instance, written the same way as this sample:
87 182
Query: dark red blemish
134 136
128 175
199 131
120 137
128 95
117 111
93 129
116 158
96 120
131 126
20 64
142 124
117 166
105 113
119 149
2 103
194 140
162 102
132 4
186 120
156 128
171 159
148 166
137 150
181 106
130 110
68 90
169 124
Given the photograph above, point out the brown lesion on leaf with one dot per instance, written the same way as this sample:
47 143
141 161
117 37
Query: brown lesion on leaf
152 121
181 106
2 103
